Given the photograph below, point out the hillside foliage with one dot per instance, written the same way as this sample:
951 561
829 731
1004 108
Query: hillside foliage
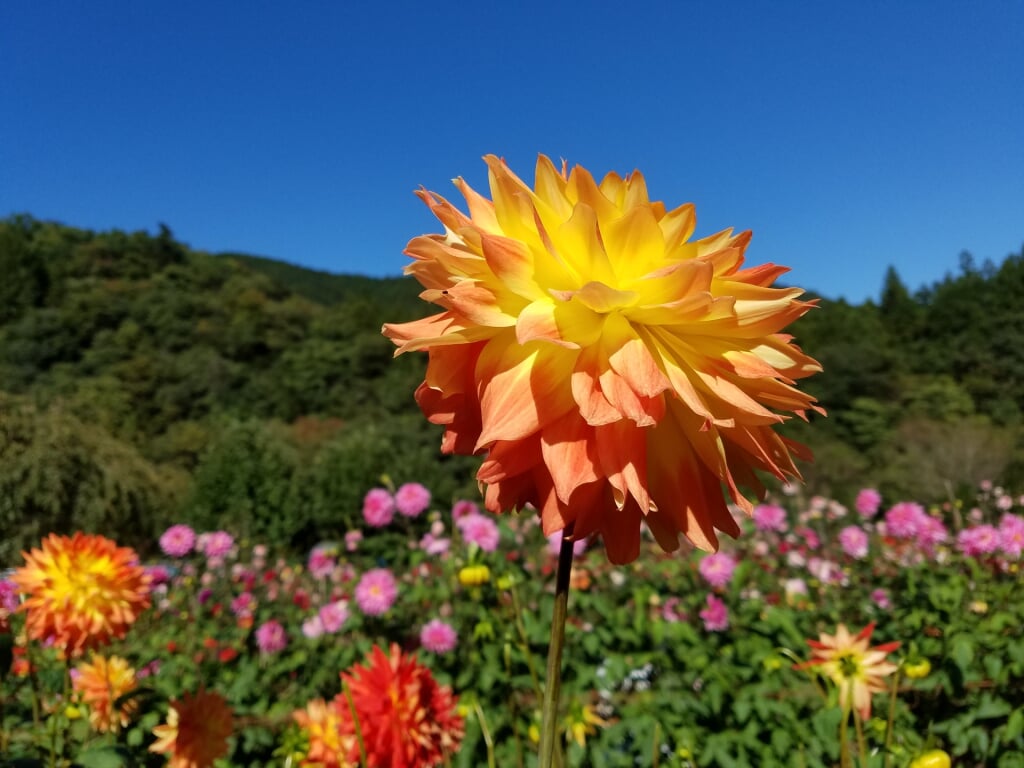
143 382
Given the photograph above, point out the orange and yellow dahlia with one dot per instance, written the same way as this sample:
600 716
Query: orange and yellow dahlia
321 722
853 665
610 369
196 732
100 683
81 592
407 719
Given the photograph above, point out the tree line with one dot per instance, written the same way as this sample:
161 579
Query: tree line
144 382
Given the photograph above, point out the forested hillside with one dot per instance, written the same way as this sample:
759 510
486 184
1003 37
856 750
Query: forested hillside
143 382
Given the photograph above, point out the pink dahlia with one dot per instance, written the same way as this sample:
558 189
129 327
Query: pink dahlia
321 563
178 540
770 517
334 615
978 541
412 499
463 508
867 503
904 520
376 592
480 530
854 541
717 569
438 636
1011 531
715 616
378 508
271 637
217 544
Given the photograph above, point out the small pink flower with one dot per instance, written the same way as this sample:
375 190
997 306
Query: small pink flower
438 636
904 520
715 616
717 569
1011 532
352 539
670 611
313 627
931 531
243 605
770 517
376 592
480 530
463 508
555 545
881 599
434 545
867 503
216 545
854 541
378 508
178 540
321 563
158 575
8 596
810 537
271 637
334 615
978 541
412 499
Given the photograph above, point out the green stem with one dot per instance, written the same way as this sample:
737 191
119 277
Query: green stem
524 640
862 746
844 740
553 686
891 721
355 720
486 733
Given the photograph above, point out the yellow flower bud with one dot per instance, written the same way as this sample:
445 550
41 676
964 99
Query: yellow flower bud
474 575
935 758
71 712
534 733
915 670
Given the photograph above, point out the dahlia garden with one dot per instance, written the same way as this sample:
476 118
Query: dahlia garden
882 634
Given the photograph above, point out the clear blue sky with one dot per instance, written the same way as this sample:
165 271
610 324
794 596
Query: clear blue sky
848 136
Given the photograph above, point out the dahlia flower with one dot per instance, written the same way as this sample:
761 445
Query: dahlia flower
320 721
715 616
610 369
178 540
81 592
100 683
411 499
855 667
378 507
196 732
271 637
407 719
438 636
376 592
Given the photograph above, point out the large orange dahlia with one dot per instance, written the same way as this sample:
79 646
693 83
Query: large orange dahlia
407 719
100 683
196 732
610 369
82 591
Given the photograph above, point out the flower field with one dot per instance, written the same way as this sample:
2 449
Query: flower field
419 640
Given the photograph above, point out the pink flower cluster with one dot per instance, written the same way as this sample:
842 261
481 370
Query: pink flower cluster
717 569
770 517
715 616
908 520
854 541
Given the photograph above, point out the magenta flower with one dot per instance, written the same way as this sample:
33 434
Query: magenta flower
715 616
412 499
321 563
158 575
770 517
881 598
438 637
333 615
271 637
978 541
8 596
717 569
217 544
434 545
178 540
555 545
930 532
243 605
376 592
464 508
1011 531
480 530
867 503
904 520
313 627
378 508
352 539
854 541
671 612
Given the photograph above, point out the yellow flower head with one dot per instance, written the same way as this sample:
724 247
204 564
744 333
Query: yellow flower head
611 369
321 722
100 683
196 732
81 591
855 668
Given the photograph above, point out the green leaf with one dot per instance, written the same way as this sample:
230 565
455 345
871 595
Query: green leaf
103 757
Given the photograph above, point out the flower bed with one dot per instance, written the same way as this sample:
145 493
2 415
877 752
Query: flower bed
429 627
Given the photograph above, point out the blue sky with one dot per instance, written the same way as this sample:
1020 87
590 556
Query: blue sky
848 136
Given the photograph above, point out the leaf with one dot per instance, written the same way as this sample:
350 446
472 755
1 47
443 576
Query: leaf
103 757
1014 727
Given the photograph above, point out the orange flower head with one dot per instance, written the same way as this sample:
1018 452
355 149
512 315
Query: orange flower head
321 723
610 369
196 732
100 683
856 668
81 592
407 719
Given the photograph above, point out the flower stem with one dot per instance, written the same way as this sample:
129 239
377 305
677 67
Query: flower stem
553 687
355 721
